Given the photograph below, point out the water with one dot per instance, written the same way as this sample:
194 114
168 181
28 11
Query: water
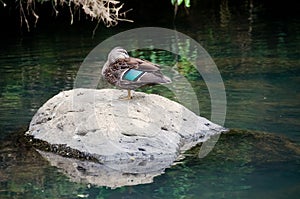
257 53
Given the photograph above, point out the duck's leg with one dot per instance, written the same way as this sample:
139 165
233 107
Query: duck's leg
129 95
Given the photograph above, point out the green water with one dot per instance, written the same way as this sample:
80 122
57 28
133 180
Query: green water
258 56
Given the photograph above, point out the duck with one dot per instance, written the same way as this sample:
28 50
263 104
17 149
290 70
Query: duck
130 73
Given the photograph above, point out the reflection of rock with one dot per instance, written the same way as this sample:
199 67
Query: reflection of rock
104 175
142 135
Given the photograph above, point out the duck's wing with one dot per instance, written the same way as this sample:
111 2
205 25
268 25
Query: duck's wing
131 73
141 72
142 65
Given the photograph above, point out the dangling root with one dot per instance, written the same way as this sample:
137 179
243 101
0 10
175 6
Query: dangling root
107 11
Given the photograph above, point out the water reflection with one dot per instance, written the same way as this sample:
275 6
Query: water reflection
113 174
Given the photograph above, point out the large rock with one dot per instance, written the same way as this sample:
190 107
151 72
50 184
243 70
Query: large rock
140 135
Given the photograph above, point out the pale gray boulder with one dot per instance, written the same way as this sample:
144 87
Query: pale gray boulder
145 134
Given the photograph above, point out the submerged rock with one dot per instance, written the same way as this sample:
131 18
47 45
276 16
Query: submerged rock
141 135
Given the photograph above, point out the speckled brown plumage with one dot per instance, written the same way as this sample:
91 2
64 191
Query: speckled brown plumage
131 73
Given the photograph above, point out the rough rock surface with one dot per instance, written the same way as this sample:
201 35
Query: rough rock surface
144 133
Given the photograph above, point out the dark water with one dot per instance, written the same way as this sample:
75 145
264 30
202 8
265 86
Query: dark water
257 53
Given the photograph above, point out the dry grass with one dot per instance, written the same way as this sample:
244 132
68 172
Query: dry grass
106 11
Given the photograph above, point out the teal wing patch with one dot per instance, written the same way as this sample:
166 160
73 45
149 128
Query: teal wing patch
132 74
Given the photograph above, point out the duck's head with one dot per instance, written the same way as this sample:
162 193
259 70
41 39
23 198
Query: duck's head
114 55
117 53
